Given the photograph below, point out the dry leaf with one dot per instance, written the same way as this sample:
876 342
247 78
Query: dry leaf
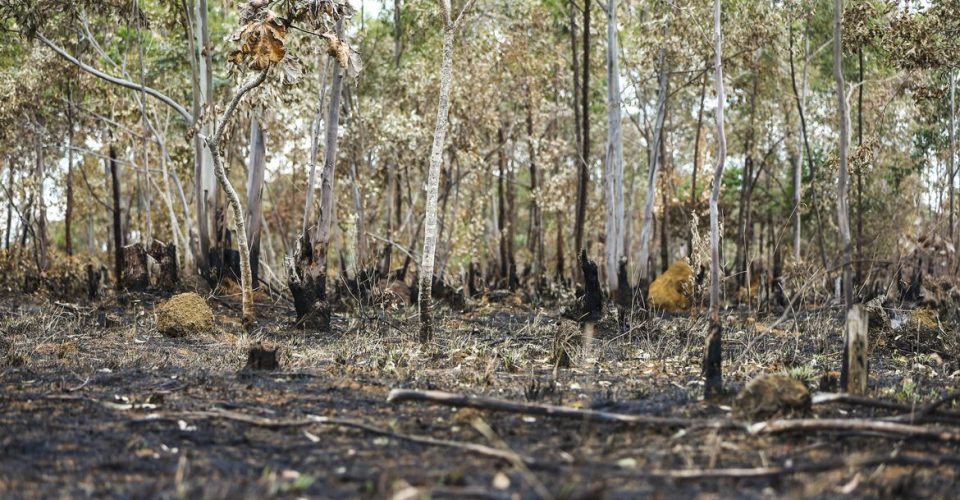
261 43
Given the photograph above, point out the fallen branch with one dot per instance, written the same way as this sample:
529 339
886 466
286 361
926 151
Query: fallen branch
929 413
491 404
269 423
765 472
822 398
855 425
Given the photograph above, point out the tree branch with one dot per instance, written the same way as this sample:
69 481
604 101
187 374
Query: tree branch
118 81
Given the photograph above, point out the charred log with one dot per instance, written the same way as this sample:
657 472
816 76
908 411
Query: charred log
135 273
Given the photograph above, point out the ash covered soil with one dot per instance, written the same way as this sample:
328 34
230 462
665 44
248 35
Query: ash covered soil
95 402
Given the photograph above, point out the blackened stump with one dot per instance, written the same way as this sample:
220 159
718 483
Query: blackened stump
712 373
261 357
591 303
307 282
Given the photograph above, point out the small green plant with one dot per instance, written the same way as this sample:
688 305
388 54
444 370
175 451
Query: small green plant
804 373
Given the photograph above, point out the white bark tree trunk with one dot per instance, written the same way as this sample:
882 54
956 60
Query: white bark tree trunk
713 352
843 217
315 145
425 272
255 173
613 187
646 232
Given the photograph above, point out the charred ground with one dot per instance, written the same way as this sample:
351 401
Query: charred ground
96 402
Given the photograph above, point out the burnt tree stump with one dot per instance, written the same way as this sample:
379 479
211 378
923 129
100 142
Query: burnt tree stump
96 281
164 274
262 357
591 302
307 282
135 273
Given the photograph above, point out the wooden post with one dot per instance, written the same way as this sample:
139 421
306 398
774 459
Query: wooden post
856 350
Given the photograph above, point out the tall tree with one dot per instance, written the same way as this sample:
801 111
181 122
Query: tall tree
646 233
308 280
713 353
843 217
425 293
614 162
799 97
953 149
256 167
583 174
213 143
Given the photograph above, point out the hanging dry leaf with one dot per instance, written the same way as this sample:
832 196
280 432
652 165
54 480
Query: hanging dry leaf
261 43
346 57
292 70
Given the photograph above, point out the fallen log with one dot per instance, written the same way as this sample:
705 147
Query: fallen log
855 426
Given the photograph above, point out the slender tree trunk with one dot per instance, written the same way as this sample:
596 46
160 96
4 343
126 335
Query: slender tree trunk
800 97
255 173
578 132
744 221
6 238
665 203
843 218
41 241
359 253
117 225
206 182
397 32
696 159
614 162
535 244
213 144
315 145
583 179
321 238
145 187
859 236
646 234
713 352
953 148
505 213
194 41
425 297
68 213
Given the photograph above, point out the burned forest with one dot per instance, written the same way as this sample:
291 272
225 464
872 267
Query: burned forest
499 249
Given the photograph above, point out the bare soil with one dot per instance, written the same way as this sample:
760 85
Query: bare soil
95 402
